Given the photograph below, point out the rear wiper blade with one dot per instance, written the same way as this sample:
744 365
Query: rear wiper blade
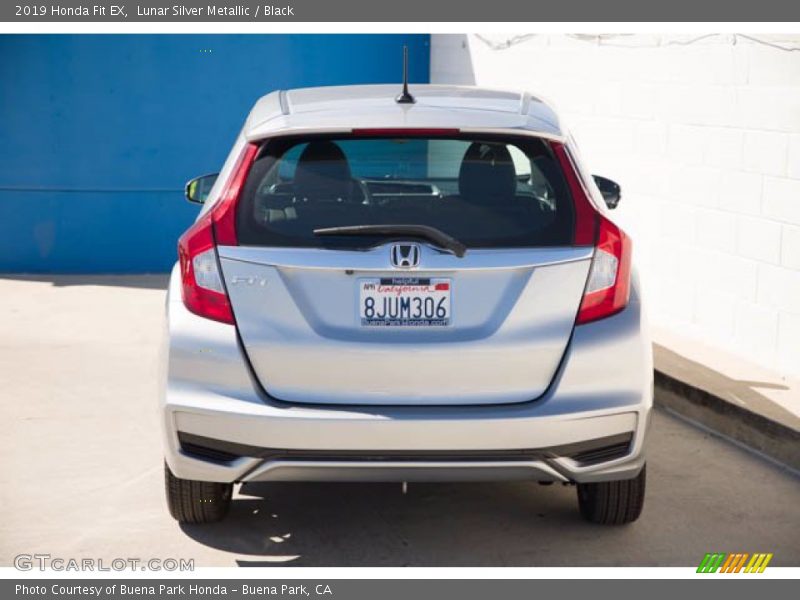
437 236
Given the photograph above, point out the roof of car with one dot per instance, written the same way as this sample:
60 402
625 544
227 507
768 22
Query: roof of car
343 108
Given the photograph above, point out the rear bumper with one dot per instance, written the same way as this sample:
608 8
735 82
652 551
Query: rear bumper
603 390
306 444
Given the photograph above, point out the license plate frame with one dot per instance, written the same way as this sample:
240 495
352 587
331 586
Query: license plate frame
402 313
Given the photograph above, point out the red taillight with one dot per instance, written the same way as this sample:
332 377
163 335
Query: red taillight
202 288
609 283
224 211
585 213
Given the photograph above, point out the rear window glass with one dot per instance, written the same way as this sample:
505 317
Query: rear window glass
486 193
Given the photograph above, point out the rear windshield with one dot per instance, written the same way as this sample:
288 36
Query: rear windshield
486 193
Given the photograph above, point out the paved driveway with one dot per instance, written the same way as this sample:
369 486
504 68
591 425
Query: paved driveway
81 471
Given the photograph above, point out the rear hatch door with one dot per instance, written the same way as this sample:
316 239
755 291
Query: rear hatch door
396 318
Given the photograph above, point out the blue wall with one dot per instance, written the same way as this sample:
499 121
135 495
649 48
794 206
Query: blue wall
99 133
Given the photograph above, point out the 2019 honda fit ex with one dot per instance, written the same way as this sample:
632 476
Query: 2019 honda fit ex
424 288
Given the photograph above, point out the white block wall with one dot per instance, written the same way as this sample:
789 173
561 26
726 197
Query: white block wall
704 138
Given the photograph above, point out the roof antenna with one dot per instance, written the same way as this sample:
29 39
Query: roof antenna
405 97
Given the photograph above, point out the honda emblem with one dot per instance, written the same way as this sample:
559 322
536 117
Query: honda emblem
405 256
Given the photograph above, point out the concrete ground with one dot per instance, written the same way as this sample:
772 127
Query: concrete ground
728 377
82 475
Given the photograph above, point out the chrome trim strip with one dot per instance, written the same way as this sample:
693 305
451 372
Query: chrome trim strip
403 471
378 258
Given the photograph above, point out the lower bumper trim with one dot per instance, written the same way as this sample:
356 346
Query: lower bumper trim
584 453
393 471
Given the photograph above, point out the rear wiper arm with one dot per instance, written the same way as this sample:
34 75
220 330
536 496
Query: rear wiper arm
437 236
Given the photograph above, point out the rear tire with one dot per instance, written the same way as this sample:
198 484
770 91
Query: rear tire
196 502
612 502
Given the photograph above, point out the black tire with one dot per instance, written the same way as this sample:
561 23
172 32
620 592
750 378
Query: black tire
612 502
196 502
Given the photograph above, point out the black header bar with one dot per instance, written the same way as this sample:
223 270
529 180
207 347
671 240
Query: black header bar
476 11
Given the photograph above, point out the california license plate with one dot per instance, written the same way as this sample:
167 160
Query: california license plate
404 302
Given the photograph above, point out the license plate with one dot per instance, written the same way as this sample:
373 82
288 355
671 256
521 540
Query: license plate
404 302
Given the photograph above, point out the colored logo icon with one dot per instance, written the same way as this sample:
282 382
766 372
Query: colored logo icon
737 562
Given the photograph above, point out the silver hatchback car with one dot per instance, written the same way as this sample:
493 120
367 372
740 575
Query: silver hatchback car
424 288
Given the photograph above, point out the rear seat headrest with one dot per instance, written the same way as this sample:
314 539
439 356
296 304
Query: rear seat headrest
487 174
323 172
